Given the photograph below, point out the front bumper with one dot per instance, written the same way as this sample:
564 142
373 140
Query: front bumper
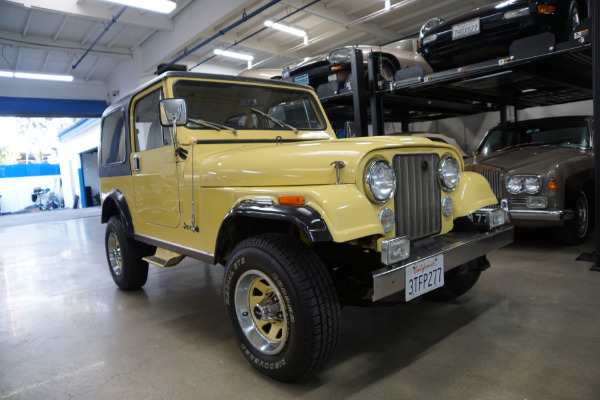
541 215
457 248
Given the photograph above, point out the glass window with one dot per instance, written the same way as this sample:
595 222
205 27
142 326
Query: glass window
149 133
554 133
113 138
242 106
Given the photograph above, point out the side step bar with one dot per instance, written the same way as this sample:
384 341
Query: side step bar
164 258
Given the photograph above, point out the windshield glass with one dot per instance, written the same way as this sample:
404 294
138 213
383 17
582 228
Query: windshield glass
234 105
557 133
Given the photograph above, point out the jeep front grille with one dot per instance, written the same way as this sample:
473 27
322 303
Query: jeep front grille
495 180
418 199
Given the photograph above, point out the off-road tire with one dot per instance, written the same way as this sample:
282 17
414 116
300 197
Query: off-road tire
124 256
280 276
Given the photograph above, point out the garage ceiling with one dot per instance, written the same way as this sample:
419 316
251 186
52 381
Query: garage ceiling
52 37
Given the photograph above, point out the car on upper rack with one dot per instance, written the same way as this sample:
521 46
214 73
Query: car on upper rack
542 172
335 66
487 32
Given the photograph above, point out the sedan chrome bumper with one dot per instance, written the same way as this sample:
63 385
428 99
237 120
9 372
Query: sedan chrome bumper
541 215
456 247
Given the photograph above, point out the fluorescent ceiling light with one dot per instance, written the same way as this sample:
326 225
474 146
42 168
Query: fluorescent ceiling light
45 77
387 5
285 28
233 55
160 6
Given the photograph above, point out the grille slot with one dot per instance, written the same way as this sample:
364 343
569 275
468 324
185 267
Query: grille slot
495 180
418 198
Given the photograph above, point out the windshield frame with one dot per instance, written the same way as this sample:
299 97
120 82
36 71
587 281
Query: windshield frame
230 103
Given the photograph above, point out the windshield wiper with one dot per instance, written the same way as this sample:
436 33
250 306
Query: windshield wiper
280 123
212 125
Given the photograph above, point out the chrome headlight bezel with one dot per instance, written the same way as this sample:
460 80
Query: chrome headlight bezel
380 180
524 183
339 55
429 25
449 172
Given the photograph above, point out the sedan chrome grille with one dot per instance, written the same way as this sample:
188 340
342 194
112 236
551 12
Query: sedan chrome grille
418 198
494 178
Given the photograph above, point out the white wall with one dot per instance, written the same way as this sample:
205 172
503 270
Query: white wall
16 192
70 160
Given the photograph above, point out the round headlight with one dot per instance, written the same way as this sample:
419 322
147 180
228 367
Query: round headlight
514 185
380 180
429 25
532 184
449 172
339 55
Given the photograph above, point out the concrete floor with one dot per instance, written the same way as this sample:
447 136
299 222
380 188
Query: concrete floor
530 329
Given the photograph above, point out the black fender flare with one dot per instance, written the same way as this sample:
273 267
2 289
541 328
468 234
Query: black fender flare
305 218
116 203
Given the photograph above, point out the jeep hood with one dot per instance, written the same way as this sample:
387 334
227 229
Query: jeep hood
301 163
537 159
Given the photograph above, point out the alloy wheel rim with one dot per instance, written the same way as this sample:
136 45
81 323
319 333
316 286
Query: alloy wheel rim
261 312
114 254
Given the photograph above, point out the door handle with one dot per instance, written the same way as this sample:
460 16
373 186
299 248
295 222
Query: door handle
136 163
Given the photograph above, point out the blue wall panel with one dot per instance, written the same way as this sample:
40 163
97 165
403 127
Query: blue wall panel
21 170
33 107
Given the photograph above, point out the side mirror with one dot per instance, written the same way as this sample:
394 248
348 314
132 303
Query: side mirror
350 129
173 112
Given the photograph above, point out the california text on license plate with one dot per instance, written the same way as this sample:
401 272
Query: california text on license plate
424 277
302 79
465 29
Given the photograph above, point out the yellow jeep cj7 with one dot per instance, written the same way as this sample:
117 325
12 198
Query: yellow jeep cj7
248 173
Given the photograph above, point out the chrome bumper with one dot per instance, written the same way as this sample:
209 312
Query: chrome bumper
457 248
541 215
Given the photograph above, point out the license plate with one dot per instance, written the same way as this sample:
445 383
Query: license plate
302 79
480 217
424 277
465 29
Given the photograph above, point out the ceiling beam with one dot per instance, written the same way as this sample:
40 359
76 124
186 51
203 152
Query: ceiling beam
99 10
45 43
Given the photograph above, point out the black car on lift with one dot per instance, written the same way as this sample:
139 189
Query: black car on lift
487 32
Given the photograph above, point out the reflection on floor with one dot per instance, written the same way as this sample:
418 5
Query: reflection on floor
528 330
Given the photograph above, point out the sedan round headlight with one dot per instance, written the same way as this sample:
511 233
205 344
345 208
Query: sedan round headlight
514 185
532 184
339 55
449 172
432 23
380 180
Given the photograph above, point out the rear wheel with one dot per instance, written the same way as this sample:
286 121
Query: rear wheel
124 256
387 69
282 306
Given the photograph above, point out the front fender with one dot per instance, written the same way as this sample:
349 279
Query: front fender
473 192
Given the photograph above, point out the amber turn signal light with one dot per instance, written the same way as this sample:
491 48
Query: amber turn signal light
546 9
291 200
552 185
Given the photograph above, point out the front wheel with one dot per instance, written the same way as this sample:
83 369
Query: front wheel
575 231
282 306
